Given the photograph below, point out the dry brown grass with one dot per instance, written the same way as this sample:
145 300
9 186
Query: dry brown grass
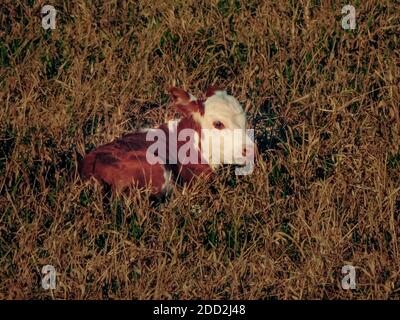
325 192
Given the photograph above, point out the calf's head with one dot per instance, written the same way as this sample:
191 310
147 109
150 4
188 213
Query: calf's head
224 135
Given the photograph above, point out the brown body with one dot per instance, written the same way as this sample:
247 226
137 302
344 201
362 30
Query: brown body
122 163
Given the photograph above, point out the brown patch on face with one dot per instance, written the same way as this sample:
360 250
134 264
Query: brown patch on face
200 106
186 173
190 108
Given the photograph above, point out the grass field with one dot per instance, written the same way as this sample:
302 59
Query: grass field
324 103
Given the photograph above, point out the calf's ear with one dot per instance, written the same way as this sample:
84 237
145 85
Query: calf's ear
179 96
211 90
184 102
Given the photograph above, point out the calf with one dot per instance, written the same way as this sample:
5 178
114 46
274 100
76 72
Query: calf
141 160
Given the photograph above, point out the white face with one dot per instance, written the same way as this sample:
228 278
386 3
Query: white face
224 137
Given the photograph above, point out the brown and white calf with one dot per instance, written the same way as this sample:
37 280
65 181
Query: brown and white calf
177 151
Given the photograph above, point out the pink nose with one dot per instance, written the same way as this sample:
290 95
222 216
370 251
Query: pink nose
248 152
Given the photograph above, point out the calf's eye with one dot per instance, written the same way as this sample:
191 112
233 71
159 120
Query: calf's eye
218 125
